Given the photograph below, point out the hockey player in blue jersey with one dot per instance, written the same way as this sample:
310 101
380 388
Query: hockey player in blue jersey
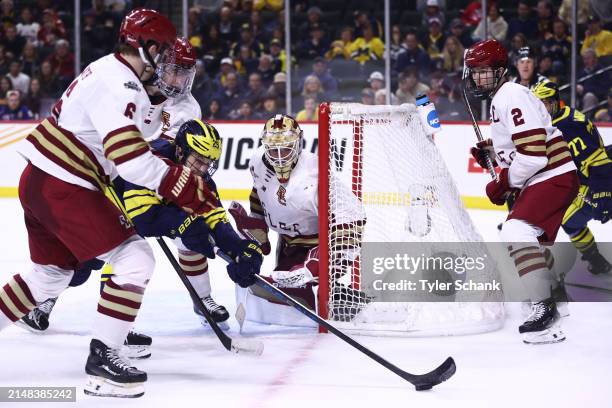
594 199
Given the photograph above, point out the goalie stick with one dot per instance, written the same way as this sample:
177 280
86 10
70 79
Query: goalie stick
237 346
490 167
421 382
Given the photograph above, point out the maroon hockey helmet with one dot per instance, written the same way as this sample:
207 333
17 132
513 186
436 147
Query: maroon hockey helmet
485 63
176 70
143 27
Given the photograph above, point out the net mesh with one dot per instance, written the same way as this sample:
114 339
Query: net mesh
388 183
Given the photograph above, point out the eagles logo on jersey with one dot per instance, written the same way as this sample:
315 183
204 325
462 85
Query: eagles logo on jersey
281 195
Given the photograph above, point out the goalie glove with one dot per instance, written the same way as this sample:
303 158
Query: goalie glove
250 227
302 274
481 151
187 190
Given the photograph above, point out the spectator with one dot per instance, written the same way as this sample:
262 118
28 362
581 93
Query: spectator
278 55
13 42
368 47
51 30
362 20
269 106
14 110
213 111
50 85
546 17
95 36
245 112
7 13
227 66
247 40
367 96
526 64
452 55
257 28
244 62
376 81
545 68
214 48
279 88
320 70
62 61
229 96
272 5
433 42
313 46
228 31
558 47
497 27
449 105
523 23
4 61
413 55
310 111
32 100
594 89
266 69
28 28
395 47
5 86
422 4
518 42
341 48
472 14
20 81
380 98
409 86
433 10
313 18
256 91
457 29
313 88
597 39
202 88
565 11
605 114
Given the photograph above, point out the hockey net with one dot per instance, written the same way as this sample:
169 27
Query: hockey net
382 180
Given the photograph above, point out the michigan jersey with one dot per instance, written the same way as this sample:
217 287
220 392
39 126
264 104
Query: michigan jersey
94 133
524 138
167 116
585 145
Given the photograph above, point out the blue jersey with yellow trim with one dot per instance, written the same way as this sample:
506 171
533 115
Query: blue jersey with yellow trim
153 216
585 145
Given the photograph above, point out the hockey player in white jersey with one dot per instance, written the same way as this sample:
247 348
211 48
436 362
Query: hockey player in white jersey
284 199
94 135
536 164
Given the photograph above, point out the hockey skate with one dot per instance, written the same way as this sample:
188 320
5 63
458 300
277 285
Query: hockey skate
110 375
218 312
543 324
137 345
38 319
597 263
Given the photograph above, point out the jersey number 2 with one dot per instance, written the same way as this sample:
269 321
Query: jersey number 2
517 117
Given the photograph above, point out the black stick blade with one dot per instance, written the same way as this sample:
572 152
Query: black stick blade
427 381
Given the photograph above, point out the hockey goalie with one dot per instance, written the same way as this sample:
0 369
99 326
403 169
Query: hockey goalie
284 199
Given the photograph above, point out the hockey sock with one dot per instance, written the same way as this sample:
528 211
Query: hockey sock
16 301
583 240
531 266
105 275
117 310
195 267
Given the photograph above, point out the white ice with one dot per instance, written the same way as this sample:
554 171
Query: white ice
302 368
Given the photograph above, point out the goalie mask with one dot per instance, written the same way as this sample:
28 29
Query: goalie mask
548 93
485 64
198 146
282 141
176 70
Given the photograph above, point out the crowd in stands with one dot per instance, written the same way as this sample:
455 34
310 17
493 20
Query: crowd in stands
338 50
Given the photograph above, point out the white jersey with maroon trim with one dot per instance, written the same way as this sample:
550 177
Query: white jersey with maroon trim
95 131
524 138
166 118
291 209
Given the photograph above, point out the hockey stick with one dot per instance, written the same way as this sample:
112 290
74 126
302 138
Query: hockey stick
420 381
237 346
490 167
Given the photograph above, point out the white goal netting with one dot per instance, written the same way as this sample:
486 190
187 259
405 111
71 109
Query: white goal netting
386 185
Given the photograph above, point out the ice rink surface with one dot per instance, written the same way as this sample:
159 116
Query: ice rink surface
300 368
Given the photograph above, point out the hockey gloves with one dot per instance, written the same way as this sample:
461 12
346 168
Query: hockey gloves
602 205
499 190
187 190
250 227
481 151
246 265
